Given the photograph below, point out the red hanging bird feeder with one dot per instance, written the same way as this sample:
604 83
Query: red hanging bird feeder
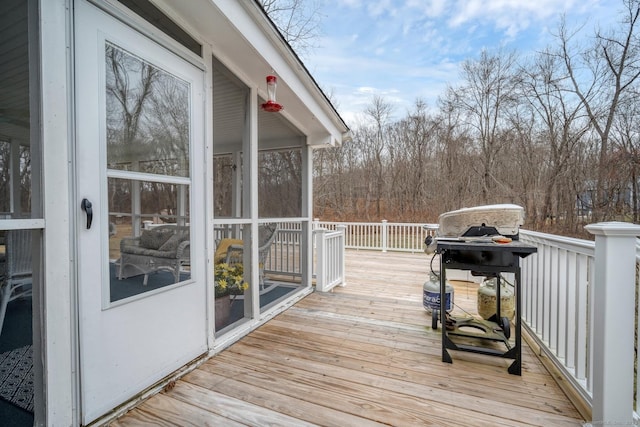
271 105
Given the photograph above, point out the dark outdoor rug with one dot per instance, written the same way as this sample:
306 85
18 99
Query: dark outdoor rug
16 377
272 294
125 288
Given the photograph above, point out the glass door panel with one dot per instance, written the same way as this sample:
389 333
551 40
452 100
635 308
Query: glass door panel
147 123
154 253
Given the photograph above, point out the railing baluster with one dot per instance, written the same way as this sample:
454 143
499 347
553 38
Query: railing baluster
552 297
561 333
590 304
537 296
571 306
546 293
384 230
582 332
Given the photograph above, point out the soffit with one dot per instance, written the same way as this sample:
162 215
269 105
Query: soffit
229 101
14 71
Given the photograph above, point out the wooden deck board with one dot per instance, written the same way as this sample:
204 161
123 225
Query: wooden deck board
361 355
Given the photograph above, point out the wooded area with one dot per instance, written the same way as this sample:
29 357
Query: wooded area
557 132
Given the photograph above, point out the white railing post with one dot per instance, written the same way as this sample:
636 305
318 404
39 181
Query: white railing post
613 322
321 256
385 229
343 255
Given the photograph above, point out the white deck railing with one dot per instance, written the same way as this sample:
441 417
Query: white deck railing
384 236
330 258
284 256
328 267
569 308
556 302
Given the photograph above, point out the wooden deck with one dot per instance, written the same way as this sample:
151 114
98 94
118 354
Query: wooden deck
362 355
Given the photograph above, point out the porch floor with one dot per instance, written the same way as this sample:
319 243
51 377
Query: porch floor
362 355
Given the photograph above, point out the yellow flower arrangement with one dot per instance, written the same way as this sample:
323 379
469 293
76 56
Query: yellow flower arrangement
229 280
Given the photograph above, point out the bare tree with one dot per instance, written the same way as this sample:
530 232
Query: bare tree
453 177
560 128
486 94
127 99
298 21
412 150
379 112
626 138
602 75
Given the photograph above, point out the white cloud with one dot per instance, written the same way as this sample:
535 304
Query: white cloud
366 90
353 4
431 8
378 8
514 16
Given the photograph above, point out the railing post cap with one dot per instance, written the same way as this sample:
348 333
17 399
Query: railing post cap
614 228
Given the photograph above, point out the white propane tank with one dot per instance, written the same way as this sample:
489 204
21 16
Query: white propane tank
431 294
487 299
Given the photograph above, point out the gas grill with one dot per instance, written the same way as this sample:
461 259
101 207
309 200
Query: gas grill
482 240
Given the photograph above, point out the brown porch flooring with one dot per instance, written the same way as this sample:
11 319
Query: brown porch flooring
362 355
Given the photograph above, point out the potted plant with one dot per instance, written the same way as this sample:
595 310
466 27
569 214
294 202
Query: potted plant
229 280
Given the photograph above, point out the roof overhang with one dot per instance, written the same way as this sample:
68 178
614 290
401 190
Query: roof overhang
246 41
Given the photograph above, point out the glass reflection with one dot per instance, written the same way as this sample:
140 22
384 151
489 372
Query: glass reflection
148 249
15 187
147 124
147 116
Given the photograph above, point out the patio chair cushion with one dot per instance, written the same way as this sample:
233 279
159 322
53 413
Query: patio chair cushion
139 250
153 239
221 250
173 242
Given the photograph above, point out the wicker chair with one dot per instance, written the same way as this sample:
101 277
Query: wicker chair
17 280
266 235
166 247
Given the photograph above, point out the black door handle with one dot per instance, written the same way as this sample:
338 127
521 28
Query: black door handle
86 206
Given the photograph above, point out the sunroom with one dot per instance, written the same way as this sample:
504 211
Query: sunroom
140 161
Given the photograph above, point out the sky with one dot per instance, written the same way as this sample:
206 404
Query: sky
404 50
